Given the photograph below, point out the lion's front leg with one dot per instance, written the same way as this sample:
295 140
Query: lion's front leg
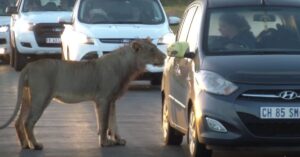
113 128
102 112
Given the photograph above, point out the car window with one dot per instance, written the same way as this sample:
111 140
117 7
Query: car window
195 29
185 26
4 4
48 5
121 11
253 30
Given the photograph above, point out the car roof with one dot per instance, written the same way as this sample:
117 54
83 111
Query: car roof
233 3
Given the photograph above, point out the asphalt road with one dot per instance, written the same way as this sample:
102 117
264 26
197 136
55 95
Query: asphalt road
69 130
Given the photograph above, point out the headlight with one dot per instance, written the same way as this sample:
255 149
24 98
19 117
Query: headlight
83 39
4 28
25 26
214 83
167 39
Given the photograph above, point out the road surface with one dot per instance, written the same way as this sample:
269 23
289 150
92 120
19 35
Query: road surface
69 130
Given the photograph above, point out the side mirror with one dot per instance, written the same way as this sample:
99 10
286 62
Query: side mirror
174 20
11 10
190 55
180 50
65 20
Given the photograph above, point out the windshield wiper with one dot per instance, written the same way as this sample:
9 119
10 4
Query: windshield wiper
125 22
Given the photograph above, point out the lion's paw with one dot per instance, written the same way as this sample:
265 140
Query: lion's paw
121 142
108 143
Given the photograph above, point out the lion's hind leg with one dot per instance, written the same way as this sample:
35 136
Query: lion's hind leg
19 125
38 106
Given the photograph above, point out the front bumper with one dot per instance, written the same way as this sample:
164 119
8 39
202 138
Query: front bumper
26 44
79 51
241 118
5 48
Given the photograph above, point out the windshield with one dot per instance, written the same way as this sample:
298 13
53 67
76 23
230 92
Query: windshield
260 30
48 5
4 4
120 11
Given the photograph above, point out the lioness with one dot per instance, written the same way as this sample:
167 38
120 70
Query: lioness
101 80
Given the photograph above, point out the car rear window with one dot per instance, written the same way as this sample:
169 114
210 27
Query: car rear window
261 30
121 11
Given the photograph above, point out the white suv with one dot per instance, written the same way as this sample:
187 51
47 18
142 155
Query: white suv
35 31
100 26
4 29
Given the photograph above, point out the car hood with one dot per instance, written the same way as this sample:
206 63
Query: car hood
256 69
45 17
4 20
124 30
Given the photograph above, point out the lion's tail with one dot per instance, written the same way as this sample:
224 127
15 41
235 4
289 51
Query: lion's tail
23 80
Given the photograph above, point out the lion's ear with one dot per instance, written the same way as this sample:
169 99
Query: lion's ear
136 46
149 40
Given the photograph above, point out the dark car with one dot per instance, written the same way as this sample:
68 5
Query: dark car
232 78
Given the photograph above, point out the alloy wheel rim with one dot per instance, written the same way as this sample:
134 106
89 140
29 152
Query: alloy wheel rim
192 133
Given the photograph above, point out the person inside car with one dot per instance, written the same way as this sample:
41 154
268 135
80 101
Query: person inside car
235 32
34 5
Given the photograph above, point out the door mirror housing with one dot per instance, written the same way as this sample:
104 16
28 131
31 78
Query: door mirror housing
180 50
174 20
11 10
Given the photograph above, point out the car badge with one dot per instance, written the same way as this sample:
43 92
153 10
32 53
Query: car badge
288 95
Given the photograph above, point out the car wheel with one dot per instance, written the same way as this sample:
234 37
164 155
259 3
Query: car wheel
63 54
5 59
170 135
196 149
12 59
19 60
11 55
156 79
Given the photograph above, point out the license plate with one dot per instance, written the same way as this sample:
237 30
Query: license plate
280 112
53 40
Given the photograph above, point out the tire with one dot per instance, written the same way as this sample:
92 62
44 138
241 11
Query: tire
62 54
11 55
195 148
156 80
19 60
5 59
170 135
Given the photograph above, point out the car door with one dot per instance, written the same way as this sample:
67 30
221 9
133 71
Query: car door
185 67
178 76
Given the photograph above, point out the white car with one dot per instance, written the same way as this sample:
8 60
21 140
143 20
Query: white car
35 31
5 49
100 26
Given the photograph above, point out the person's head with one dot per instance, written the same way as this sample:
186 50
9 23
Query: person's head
67 4
231 24
34 4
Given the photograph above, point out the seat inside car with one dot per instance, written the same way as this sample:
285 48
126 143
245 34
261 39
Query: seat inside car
281 37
